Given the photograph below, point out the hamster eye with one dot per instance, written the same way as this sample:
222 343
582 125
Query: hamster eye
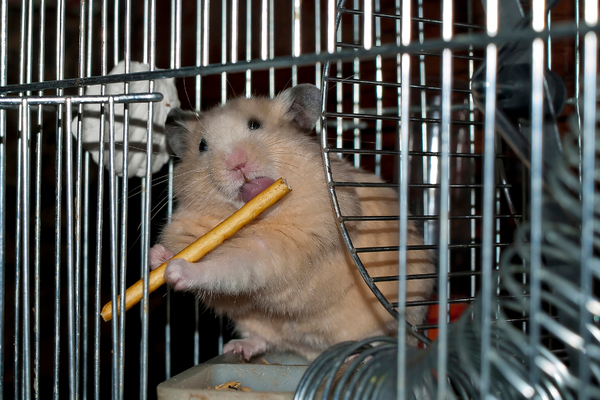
203 146
253 124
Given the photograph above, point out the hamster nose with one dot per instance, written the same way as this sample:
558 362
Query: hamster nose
238 167
236 160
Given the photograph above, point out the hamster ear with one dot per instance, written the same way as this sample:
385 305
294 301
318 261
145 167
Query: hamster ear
304 105
176 129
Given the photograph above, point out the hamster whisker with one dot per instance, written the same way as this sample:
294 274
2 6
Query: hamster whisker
293 169
232 88
178 175
184 193
152 215
158 207
199 120
287 84
136 148
287 155
155 182
348 79
187 96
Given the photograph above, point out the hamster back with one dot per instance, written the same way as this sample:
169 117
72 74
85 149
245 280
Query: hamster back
286 280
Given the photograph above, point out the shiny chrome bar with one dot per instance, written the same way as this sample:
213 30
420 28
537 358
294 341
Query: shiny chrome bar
537 120
356 87
331 34
147 207
85 279
124 206
201 33
81 351
271 47
234 30
405 39
116 10
114 266
489 189
264 30
19 373
3 73
10 102
588 187
37 217
60 39
23 261
100 200
318 67
69 236
444 226
223 53
378 91
248 90
296 43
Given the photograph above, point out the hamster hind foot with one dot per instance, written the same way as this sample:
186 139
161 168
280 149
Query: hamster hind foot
158 255
246 347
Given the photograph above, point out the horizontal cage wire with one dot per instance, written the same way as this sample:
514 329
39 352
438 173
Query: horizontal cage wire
471 122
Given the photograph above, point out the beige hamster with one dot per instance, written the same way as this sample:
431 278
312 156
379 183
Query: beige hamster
286 280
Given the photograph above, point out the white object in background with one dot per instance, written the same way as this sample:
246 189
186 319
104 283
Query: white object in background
138 120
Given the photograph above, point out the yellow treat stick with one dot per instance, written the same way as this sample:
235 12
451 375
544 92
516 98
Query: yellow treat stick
206 243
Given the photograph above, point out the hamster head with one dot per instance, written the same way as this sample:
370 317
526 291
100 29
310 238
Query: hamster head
232 152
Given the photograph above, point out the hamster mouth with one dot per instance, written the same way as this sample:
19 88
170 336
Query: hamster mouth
253 187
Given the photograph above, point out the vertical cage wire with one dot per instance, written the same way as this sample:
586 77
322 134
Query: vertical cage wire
405 38
176 15
70 264
37 220
537 97
248 91
124 201
116 359
59 49
378 89
147 207
445 234
23 219
487 254
18 247
201 34
78 275
3 154
590 68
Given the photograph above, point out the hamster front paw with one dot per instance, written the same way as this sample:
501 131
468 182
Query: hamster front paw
180 274
246 347
157 255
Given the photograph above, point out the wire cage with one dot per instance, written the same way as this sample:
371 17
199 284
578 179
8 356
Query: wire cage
482 116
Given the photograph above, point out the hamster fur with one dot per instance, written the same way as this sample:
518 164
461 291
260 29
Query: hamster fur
286 280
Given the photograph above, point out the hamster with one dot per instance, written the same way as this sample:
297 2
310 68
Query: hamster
286 280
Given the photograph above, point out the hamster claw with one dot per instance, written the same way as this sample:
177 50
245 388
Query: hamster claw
246 347
157 255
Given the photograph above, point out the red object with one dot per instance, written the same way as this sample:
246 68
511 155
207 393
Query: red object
456 310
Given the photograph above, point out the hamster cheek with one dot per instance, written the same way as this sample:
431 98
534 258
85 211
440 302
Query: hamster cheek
157 255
